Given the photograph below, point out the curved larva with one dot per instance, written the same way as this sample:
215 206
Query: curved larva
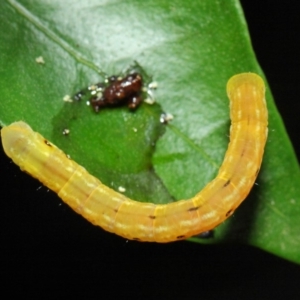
116 213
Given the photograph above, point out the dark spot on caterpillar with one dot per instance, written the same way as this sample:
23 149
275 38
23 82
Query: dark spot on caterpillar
193 208
226 183
47 143
120 91
136 239
152 217
180 237
229 213
242 154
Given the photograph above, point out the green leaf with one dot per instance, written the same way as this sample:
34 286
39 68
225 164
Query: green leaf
191 48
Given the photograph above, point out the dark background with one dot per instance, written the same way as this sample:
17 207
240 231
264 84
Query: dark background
46 249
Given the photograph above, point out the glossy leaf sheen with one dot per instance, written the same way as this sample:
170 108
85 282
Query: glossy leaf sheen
191 48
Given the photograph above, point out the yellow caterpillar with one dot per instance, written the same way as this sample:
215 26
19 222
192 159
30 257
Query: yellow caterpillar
117 213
